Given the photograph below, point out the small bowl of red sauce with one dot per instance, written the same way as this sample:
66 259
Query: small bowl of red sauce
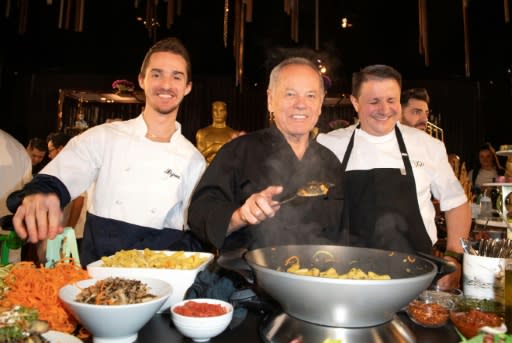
430 312
201 319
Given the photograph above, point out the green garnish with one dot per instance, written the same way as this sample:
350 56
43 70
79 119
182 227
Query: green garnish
15 322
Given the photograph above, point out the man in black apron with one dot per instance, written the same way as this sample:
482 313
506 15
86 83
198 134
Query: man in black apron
387 190
383 201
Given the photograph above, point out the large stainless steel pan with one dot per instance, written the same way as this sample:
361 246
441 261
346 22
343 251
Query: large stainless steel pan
338 302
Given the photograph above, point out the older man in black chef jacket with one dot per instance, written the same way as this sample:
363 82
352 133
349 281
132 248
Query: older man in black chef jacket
235 204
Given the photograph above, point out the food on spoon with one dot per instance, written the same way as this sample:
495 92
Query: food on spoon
313 188
115 291
148 258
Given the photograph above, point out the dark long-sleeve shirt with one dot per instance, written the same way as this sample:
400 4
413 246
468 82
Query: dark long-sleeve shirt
251 163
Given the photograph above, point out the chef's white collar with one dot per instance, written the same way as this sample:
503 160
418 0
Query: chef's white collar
141 128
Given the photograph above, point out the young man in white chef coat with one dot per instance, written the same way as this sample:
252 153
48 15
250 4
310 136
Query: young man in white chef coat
144 172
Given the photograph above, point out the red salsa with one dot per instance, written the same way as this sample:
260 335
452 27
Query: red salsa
469 323
198 309
428 314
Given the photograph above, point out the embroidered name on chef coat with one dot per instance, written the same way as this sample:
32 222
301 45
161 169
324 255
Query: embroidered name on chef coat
171 173
417 164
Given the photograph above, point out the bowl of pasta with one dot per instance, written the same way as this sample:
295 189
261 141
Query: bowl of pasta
114 309
178 268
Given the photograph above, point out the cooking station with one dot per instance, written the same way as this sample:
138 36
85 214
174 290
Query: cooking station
313 309
160 329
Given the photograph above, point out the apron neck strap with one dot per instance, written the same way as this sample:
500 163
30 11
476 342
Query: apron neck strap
403 151
401 146
348 151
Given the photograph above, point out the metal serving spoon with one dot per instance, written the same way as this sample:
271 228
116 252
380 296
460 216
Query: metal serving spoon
311 189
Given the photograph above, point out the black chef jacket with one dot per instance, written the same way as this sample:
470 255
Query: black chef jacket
248 165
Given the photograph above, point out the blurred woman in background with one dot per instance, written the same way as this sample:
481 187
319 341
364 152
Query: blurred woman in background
487 169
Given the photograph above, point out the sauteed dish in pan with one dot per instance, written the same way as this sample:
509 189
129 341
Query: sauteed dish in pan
341 302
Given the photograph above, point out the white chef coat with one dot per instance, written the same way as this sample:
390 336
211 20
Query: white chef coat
137 181
432 172
15 168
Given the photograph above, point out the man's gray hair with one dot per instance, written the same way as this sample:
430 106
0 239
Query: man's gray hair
274 74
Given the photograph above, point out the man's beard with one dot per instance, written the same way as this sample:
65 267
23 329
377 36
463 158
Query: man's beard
421 126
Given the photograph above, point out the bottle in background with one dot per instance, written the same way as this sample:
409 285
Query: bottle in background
485 206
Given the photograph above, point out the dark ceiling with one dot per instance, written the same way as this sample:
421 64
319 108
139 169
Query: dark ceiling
36 63
383 32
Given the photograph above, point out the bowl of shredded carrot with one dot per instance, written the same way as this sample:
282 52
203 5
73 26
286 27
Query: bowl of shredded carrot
28 285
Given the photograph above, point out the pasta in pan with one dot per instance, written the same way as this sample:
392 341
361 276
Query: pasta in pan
294 267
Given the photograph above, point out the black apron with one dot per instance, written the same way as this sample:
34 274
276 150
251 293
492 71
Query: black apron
381 207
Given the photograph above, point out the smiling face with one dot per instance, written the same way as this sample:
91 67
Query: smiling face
296 99
378 105
165 82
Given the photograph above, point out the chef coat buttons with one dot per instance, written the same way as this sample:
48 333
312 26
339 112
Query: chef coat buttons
127 169
153 210
118 202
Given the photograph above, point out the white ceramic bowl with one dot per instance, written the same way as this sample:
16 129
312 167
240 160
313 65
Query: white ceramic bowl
114 323
180 279
201 329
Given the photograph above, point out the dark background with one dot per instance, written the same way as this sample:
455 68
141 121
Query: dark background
36 63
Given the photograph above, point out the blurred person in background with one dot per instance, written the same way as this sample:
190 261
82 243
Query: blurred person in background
37 149
488 168
15 168
56 142
415 108
15 171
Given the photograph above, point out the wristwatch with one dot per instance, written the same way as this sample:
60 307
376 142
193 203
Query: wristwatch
455 255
